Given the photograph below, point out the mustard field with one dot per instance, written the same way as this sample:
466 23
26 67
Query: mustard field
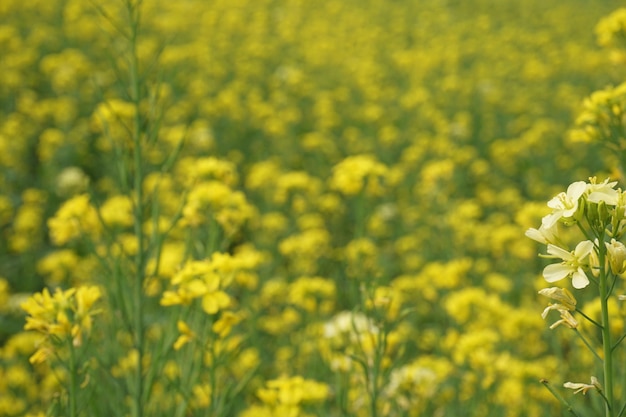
296 208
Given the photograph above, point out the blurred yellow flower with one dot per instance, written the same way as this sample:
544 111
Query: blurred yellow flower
186 335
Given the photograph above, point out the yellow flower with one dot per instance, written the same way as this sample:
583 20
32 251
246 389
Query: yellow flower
64 316
117 211
186 335
359 173
224 325
292 391
611 30
214 301
75 218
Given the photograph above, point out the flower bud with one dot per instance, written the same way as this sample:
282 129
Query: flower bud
592 213
616 253
603 214
594 264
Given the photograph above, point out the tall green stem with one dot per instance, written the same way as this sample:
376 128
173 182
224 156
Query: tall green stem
133 11
73 383
607 344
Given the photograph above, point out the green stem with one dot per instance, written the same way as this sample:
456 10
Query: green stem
135 96
588 318
607 345
559 397
73 383
586 342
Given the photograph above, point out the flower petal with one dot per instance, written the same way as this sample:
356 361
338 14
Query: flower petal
583 249
560 252
556 272
575 190
536 235
579 279
551 219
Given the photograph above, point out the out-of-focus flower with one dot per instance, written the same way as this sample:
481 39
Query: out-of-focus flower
70 181
186 335
65 315
611 30
359 173
224 325
292 391
76 217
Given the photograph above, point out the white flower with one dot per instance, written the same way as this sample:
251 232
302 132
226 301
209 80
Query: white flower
564 204
543 235
602 192
580 387
562 296
572 264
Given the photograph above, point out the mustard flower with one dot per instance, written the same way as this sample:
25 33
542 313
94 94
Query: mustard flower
543 235
564 204
71 180
224 325
186 335
357 173
292 391
117 211
560 295
572 265
64 315
611 29
74 218
604 192
566 317
581 387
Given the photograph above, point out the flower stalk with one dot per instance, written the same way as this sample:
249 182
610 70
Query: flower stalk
594 264
607 344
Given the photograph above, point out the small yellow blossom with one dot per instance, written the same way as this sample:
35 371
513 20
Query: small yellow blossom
75 218
186 335
359 173
225 323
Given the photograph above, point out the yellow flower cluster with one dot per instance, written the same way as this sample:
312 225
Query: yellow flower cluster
76 218
611 30
359 173
216 201
63 317
208 279
603 113
286 396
